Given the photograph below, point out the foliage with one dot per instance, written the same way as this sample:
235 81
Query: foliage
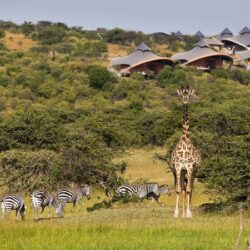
177 75
71 107
98 76
51 35
32 128
241 76
27 28
90 49
28 170
2 34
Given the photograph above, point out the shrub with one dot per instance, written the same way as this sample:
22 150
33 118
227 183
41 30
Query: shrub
28 170
51 35
98 76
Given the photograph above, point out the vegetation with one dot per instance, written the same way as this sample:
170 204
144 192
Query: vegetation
144 225
59 102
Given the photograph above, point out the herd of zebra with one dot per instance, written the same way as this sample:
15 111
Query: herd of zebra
42 199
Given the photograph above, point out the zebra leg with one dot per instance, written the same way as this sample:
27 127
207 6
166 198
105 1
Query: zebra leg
48 216
3 210
41 216
80 203
17 214
36 213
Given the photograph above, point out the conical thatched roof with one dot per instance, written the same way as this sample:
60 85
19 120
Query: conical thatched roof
199 34
226 32
243 39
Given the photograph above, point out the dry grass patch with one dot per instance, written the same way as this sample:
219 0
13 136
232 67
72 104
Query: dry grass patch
115 50
18 41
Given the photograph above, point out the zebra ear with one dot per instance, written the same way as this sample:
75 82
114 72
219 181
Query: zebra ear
178 92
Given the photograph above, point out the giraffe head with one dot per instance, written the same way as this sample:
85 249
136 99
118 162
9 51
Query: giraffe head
185 94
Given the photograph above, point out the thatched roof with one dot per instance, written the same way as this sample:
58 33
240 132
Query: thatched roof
199 34
243 39
142 54
200 51
226 32
213 41
178 33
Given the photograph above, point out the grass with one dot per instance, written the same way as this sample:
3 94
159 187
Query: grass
115 50
144 225
18 41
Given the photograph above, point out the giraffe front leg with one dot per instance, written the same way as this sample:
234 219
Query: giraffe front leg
189 190
183 204
178 190
176 212
189 213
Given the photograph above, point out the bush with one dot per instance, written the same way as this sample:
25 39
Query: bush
90 49
51 35
98 76
32 128
2 34
28 170
177 75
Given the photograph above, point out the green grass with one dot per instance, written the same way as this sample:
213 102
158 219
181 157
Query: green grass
134 226
145 225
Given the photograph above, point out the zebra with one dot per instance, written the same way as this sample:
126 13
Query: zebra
45 199
74 195
143 190
13 202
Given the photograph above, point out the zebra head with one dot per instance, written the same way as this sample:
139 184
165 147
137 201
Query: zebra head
58 206
59 210
86 190
164 189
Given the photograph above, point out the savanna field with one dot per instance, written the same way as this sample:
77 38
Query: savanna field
145 225
64 118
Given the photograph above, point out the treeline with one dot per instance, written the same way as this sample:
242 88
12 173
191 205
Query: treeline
49 33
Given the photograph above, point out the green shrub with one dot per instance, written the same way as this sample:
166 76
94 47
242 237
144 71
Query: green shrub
98 76
51 35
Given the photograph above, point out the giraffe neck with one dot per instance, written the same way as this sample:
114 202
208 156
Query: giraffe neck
185 124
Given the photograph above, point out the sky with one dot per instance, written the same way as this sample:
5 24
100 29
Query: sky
188 16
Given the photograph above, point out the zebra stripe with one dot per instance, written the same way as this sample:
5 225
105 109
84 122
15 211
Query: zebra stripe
143 190
139 190
42 199
74 195
13 202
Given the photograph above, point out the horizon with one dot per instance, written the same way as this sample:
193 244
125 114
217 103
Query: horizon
165 16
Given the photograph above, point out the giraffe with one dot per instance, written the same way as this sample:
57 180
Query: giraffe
184 160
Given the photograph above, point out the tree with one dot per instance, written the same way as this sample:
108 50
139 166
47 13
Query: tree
22 170
51 35
27 28
32 129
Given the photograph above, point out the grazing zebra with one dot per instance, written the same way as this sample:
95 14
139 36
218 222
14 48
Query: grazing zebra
45 199
74 195
143 190
13 202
